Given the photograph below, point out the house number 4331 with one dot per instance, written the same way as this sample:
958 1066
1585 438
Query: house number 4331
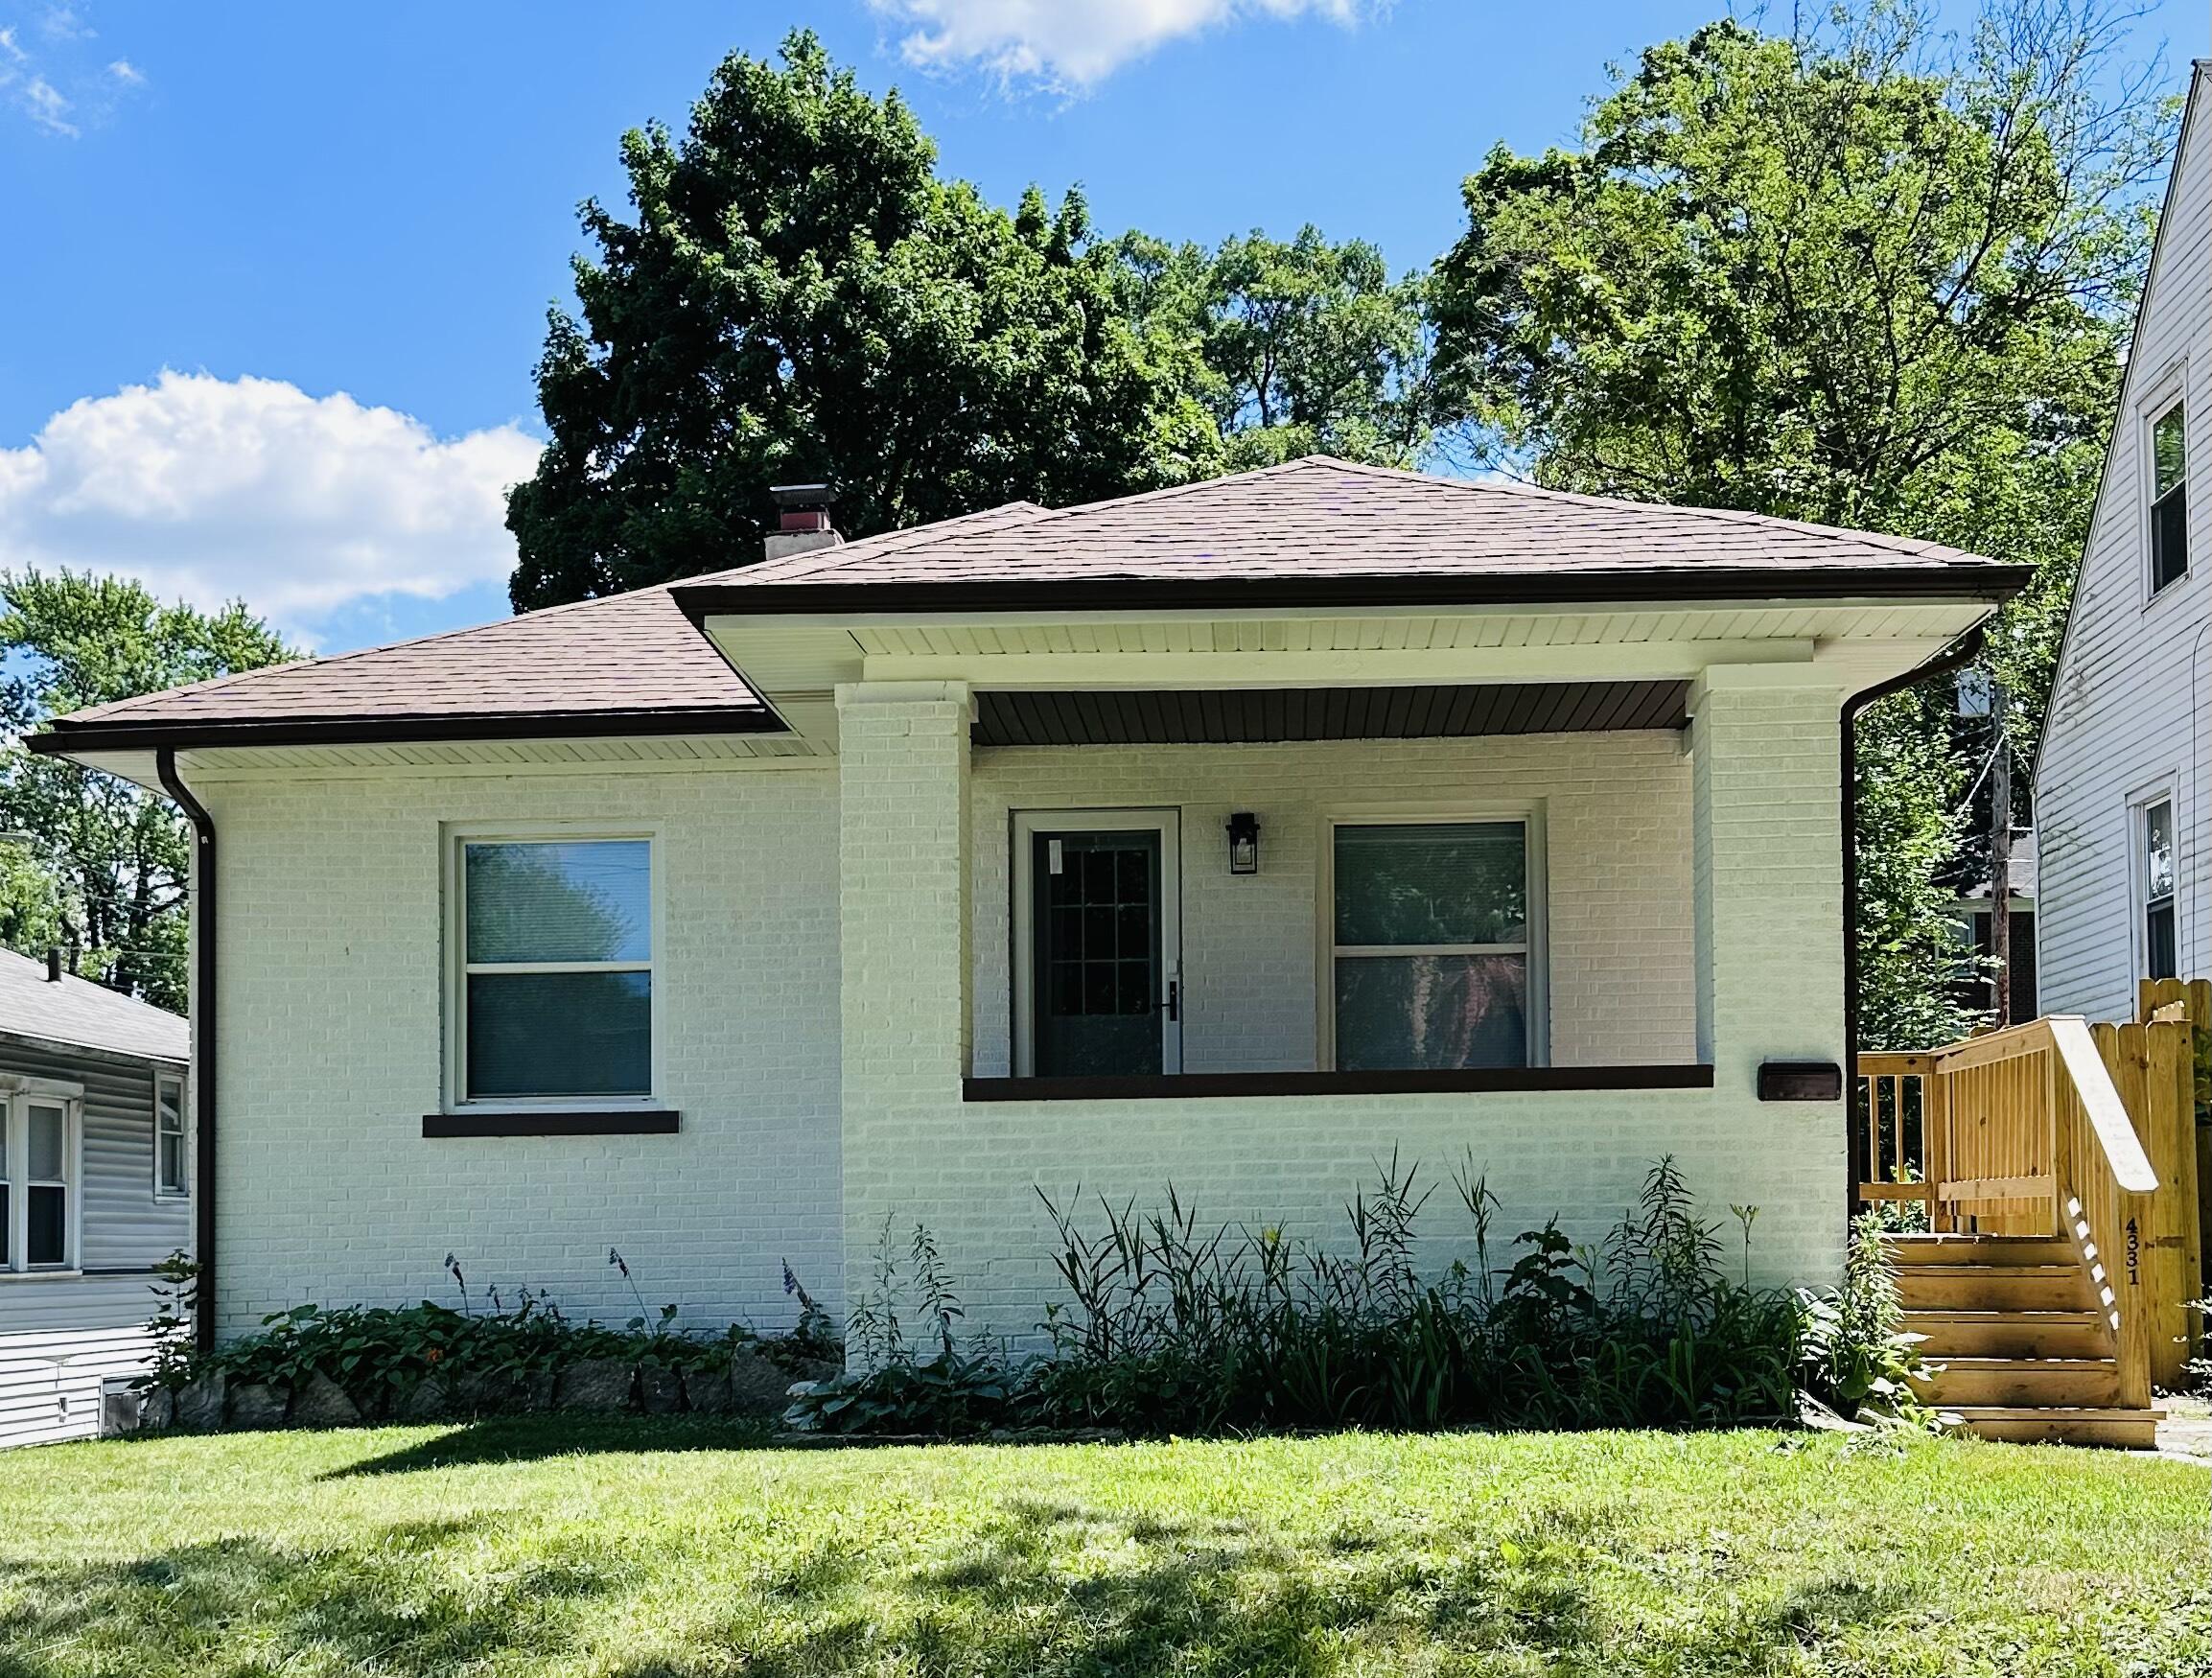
2135 1254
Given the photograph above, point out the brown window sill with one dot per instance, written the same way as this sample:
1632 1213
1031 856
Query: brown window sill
1201 1086
612 1123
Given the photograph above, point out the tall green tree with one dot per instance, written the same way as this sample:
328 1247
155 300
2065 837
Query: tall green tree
1863 274
1303 346
104 869
796 297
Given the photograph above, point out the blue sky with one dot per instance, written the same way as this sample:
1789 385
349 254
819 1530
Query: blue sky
288 206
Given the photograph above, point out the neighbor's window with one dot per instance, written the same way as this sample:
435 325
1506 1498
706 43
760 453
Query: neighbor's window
37 1183
2158 961
172 1175
1430 949
2169 498
556 970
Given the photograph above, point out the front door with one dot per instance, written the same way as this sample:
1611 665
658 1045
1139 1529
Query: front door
1098 982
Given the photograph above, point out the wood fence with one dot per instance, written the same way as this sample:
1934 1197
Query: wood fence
2059 1127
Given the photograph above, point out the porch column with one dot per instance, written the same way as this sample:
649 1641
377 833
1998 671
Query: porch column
1768 857
903 935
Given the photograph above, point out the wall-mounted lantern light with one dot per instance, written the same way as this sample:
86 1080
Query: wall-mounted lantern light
1244 843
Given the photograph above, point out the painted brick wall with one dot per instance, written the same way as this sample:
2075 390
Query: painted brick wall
332 1050
1616 813
972 1171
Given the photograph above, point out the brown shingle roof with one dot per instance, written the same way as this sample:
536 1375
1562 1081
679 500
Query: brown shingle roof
1322 520
1315 528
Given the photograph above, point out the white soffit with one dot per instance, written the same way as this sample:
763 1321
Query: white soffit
796 662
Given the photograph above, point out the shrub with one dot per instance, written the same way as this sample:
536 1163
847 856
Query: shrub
494 1354
1853 1350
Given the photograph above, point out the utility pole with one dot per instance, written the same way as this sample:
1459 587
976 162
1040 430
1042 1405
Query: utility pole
2001 859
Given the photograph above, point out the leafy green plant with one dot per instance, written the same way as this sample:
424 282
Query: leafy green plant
1854 1351
494 1354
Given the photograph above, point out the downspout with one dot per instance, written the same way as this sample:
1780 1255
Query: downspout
202 1039
1955 657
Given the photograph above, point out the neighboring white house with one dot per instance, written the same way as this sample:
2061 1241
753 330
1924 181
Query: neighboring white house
1230 836
2121 784
95 1190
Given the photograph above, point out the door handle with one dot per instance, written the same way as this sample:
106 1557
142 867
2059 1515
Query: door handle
1174 1003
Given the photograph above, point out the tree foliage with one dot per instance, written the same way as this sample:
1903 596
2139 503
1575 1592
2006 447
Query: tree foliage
1862 273
106 869
798 297
1303 347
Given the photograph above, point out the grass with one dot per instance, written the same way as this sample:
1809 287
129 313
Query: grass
558 1546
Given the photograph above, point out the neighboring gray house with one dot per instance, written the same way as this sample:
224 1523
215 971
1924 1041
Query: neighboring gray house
95 1190
2120 805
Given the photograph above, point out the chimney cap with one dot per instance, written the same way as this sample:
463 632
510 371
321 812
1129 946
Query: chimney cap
800 497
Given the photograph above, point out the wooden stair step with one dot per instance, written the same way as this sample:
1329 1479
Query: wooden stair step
2135 1430
2011 1333
1980 1250
2044 1382
1977 1287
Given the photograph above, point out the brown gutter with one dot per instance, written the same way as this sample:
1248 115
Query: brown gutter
1953 658
204 1041
1580 586
64 735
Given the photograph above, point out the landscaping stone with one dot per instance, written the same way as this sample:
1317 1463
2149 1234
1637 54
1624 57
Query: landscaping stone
254 1406
528 1392
158 1410
759 1387
480 1394
199 1406
660 1391
428 1402
706 1392
323 1403
597 1384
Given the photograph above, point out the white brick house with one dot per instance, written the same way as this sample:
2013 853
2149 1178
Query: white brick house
1233 837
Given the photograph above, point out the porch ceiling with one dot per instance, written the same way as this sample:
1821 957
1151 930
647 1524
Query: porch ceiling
1237 717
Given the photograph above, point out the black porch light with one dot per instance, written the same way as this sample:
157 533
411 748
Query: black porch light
1244 843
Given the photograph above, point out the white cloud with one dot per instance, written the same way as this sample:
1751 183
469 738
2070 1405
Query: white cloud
213 488
1074 43
44 104
49 73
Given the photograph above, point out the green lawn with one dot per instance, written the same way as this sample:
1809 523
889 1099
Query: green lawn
555 1546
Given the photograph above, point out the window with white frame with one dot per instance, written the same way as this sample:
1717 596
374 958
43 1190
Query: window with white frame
553 981
2155 877
38 1183
1431 954
172 1168
2169 498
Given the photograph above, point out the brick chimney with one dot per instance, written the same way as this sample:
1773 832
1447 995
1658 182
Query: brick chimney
803 521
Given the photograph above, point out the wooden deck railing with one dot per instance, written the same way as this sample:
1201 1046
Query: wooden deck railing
2058 1128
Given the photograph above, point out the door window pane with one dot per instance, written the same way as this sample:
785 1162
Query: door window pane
584 901
1427 1010
1463 882
559 1034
